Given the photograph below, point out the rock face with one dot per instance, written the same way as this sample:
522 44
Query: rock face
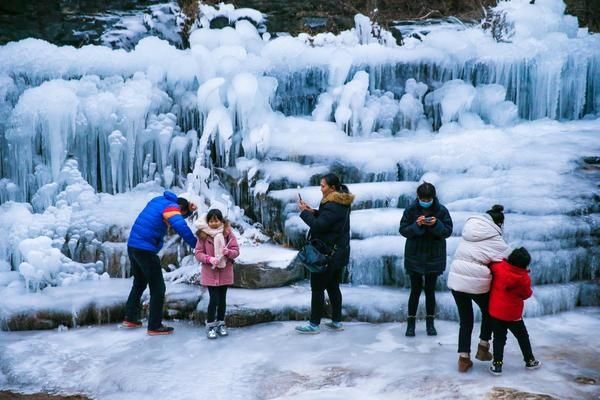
60 21
261 275
504 393
43 320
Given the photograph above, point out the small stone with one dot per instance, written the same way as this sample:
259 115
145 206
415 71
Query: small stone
504 393
584 380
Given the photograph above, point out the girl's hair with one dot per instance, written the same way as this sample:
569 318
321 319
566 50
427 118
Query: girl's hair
426 191
497 214
334 181
216 213
519 258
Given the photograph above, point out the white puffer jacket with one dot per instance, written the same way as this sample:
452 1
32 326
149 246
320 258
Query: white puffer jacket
481 243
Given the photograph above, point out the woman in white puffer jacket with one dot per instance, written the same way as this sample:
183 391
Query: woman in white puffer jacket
470 278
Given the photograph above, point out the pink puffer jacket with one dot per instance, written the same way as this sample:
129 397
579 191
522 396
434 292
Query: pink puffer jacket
218 276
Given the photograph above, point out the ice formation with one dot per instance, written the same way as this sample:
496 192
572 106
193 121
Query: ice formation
243 122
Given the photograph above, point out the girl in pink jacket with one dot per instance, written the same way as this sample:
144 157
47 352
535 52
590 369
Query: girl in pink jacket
216 249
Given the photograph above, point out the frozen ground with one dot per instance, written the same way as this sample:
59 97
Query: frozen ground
270 361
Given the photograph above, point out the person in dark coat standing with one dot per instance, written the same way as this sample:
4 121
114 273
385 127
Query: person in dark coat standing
145 241
426 224
330 224
511 286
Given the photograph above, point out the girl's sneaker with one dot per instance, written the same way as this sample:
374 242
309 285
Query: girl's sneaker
211 332
496 368
336 326
308 329
222 329
533 364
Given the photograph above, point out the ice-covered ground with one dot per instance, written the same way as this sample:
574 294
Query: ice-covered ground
271 361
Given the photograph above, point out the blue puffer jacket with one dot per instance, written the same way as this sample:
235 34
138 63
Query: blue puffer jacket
150 227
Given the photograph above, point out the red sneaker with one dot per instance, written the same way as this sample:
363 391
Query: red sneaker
131 324
162 330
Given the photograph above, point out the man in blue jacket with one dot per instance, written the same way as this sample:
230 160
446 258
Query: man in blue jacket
145 241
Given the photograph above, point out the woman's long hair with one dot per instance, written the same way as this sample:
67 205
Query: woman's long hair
497 214
334 181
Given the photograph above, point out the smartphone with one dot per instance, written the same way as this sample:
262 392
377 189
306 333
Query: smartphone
428 219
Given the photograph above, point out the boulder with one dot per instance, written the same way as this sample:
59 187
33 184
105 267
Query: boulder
266 266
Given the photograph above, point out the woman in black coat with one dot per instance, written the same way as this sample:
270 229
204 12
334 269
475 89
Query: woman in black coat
330 224
426 224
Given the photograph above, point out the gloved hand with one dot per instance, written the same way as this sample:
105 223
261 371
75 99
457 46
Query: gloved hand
214 261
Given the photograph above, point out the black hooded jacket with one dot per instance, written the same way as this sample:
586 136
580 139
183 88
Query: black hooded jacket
425 251
331 224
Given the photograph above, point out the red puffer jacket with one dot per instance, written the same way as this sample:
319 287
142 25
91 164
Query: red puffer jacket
511 285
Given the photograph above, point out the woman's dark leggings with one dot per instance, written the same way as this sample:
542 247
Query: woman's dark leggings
330 281
416 286
464 303
217 303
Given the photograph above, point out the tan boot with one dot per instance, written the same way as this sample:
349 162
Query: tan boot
483 353
464 364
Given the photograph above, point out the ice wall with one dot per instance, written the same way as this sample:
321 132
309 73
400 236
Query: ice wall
245 121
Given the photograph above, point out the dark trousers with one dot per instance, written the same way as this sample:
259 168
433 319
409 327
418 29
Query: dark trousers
416 287
146 271
519 330
330 281
217 303
464 302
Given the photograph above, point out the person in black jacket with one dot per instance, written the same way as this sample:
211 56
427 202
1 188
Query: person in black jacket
426 224
330 224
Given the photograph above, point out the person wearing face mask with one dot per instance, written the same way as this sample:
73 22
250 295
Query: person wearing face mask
145 241
470 279
426 224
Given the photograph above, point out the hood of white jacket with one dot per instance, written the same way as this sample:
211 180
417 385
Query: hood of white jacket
480 227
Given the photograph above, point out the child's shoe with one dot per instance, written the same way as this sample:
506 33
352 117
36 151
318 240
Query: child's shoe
483 353
496 368
533 364
308 329
222 329
336 326
211 330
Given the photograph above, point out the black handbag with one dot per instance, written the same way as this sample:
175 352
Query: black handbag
315 255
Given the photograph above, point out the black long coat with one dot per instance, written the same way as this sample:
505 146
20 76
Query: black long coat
331 224
425 250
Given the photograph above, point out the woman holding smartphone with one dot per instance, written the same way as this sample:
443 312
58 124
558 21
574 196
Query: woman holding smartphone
426 224
330 224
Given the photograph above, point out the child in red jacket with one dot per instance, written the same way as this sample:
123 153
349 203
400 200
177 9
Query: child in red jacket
511 285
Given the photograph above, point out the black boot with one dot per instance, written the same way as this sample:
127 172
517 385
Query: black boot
429 325
410 325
